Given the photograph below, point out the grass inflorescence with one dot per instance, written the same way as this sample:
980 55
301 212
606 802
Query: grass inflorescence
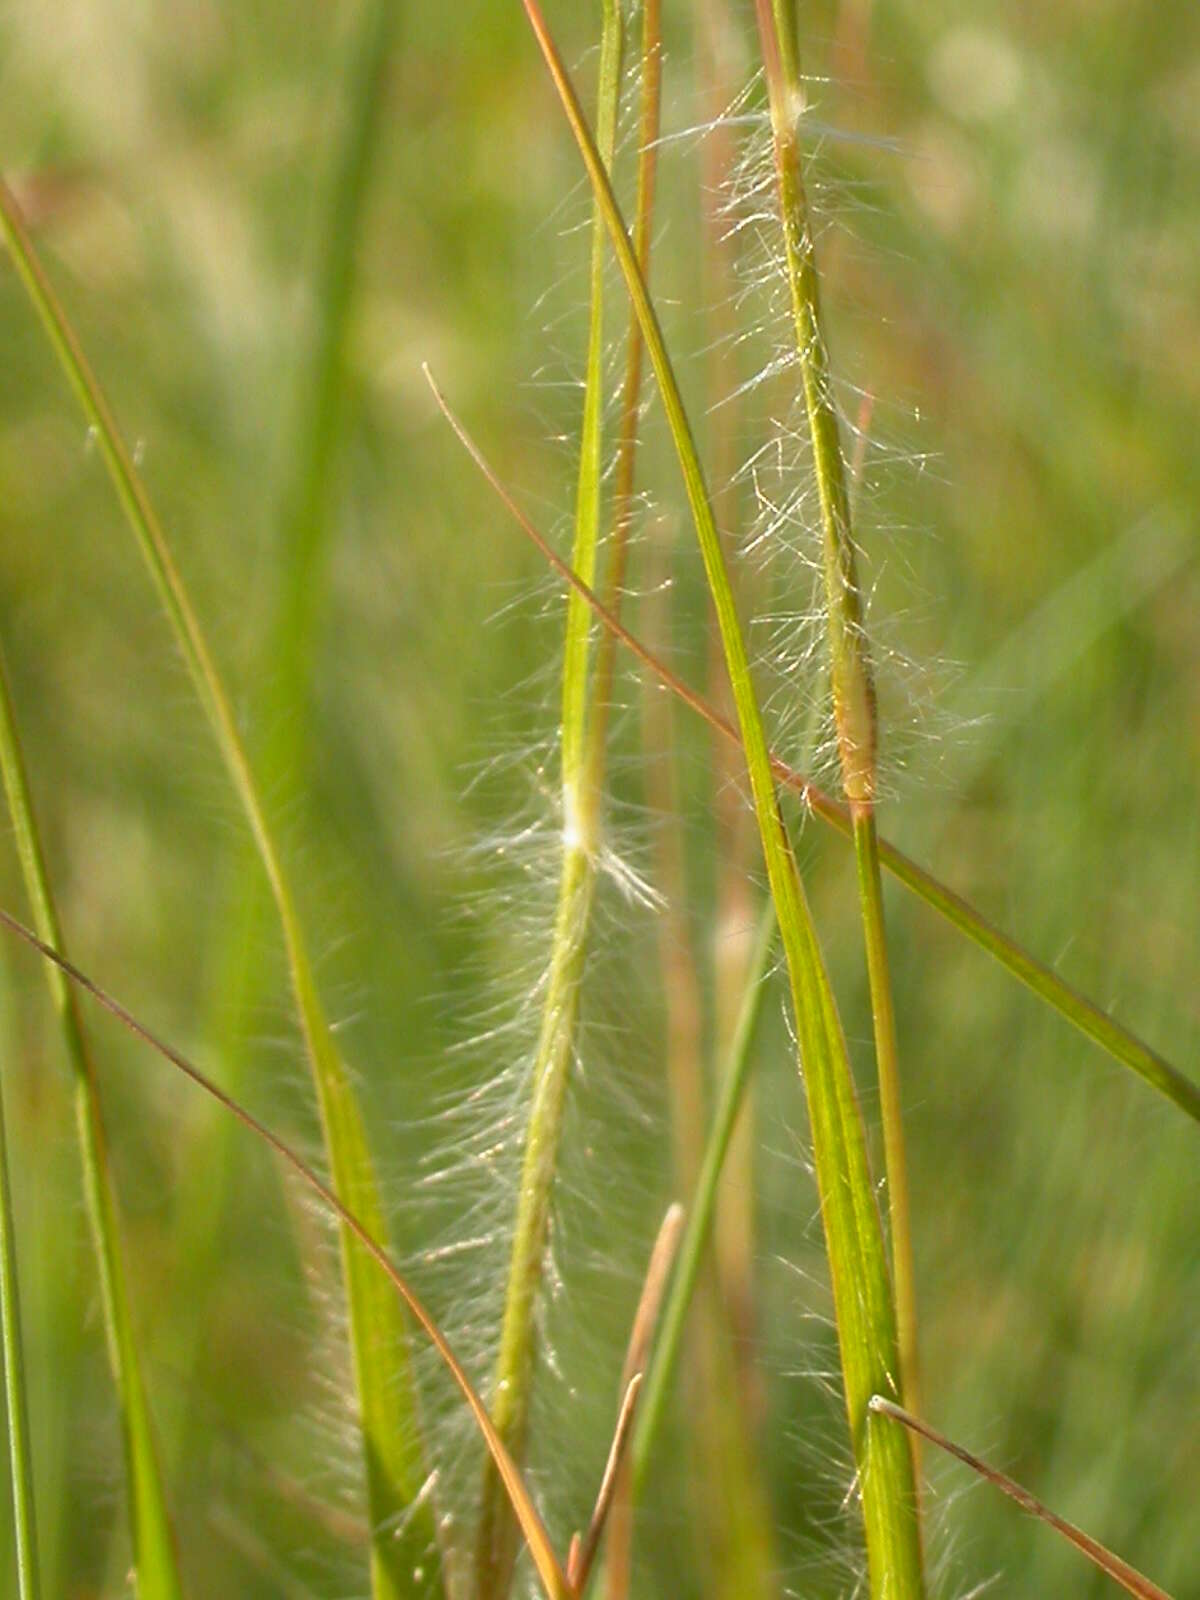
549 1388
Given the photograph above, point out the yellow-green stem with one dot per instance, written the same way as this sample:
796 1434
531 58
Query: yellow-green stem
631 391
582 777
853 684
19 1448
866 855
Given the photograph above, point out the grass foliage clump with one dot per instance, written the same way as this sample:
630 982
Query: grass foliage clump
584 1256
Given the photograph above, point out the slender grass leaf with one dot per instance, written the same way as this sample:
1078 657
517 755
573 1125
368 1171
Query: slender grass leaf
292 630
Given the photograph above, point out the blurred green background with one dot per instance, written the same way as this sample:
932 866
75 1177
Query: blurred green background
1010 204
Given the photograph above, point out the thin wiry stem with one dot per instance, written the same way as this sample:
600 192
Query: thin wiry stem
20 1452
1120 1571
154 1552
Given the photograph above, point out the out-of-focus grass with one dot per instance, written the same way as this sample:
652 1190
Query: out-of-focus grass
1022 278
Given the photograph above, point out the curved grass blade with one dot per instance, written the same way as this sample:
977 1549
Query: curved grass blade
852 679
383 1378
1119 1571
1119 1042
155 1556
549 1568
19 1451
853 1229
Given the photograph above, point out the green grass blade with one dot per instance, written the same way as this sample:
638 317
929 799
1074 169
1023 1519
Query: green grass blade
549 1568
389 1418
854 1233
851 674
1132 1581
1074 1007
591 463
19 1451
581 778
155 1556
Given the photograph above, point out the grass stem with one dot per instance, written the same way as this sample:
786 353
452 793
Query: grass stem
20 1452
581 780
854 699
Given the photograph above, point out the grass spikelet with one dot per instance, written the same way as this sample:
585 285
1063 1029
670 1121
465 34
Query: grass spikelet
387 1400
862 1290
152 1538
